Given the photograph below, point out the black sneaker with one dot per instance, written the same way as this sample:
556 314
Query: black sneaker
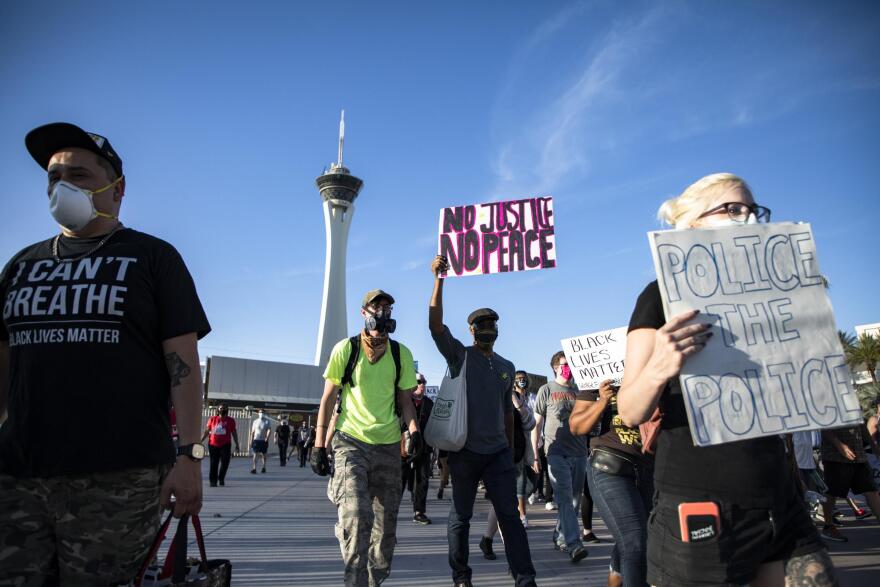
422 519
253 471
578 554
222 483
833 534
590 537
440 493
263 470
213 484
486 547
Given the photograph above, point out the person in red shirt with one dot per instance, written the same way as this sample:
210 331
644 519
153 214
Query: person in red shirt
221 429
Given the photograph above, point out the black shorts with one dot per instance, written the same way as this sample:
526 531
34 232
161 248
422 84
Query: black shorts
843 477
749 537
260 446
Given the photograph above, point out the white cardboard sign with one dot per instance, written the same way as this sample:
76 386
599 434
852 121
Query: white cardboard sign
775 364
595 357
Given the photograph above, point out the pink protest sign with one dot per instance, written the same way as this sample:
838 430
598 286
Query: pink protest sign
498 237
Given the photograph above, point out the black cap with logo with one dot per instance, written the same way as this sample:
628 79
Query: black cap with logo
44 141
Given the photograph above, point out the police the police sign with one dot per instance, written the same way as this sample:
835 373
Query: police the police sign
775 364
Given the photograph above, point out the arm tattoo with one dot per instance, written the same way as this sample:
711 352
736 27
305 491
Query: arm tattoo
810 570
177 369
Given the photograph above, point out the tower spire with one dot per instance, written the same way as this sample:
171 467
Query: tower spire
341 138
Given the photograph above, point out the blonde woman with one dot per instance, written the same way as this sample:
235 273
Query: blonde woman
766 537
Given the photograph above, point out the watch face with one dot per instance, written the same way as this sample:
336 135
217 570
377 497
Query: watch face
198 451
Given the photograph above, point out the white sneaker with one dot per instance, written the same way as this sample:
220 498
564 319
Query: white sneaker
525 521
550 505
531 499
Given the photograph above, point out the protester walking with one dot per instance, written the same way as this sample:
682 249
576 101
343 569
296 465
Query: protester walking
621 479
766 537
417 471
376 375
102 338
488 452
566 454
220 433
261 427
303 437
523 457
282 439
846 469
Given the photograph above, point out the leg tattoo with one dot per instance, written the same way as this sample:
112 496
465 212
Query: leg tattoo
810 570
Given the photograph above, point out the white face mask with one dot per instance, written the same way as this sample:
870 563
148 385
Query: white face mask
73 207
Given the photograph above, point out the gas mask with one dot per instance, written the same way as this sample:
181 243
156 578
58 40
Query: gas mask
380 322
73 207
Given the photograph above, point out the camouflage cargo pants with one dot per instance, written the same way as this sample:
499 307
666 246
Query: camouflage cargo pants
77 530
366 490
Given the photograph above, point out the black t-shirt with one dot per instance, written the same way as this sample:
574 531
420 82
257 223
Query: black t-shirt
748 471
88 387
283 432
615 434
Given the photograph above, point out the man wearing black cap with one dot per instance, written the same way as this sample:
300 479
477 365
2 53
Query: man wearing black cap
376 376
99 332
488 452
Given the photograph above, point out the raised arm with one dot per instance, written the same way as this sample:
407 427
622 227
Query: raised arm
435 309
184 480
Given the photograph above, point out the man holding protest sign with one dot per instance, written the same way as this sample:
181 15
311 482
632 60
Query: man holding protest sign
488 452
725 513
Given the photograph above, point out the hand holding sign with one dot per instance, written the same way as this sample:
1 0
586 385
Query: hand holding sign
674 342
439 266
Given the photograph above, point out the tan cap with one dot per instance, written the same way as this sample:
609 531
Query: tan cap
374 294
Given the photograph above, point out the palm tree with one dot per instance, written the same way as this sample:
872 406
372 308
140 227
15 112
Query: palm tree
847 340
865 352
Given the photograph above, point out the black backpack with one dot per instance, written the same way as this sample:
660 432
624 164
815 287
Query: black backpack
354 355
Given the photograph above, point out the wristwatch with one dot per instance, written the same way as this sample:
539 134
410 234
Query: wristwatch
194 451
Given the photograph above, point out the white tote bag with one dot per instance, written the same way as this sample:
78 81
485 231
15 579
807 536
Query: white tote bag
447 427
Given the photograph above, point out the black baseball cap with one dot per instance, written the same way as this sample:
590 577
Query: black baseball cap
44 141
482 314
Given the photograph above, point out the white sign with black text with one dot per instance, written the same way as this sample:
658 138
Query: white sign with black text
593 358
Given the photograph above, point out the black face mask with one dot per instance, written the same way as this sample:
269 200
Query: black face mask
380 322
485 336
224 413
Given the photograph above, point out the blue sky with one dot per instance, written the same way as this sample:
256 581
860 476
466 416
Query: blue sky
225 112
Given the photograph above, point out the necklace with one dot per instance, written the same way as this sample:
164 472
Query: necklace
87 253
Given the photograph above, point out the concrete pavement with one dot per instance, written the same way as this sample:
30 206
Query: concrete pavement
277 529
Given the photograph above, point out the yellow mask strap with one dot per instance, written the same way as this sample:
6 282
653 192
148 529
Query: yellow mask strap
108 186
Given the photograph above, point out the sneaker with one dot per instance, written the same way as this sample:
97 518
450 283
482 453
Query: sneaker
253 471
532 499
486 547
578 554
213 484
525 522
861 514
440 493
837 516
550 505
422 519
833 534
590 537
263 470
222 483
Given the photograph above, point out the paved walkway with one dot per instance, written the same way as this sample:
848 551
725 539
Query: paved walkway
277 529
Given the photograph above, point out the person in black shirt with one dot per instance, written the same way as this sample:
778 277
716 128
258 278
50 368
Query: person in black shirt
766 535
99 331
417 471
621 480
488 451
282 439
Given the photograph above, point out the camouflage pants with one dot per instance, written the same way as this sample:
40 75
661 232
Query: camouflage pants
366 490
77 530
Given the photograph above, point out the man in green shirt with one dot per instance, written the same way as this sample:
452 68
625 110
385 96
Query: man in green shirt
376 388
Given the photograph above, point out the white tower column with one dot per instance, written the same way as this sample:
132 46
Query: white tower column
339 189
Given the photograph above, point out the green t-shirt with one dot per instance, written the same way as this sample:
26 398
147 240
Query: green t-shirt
368 407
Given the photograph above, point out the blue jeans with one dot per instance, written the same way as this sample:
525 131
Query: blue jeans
624 503
566 474
499 475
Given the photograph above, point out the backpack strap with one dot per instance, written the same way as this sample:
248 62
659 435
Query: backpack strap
353 355
395 354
